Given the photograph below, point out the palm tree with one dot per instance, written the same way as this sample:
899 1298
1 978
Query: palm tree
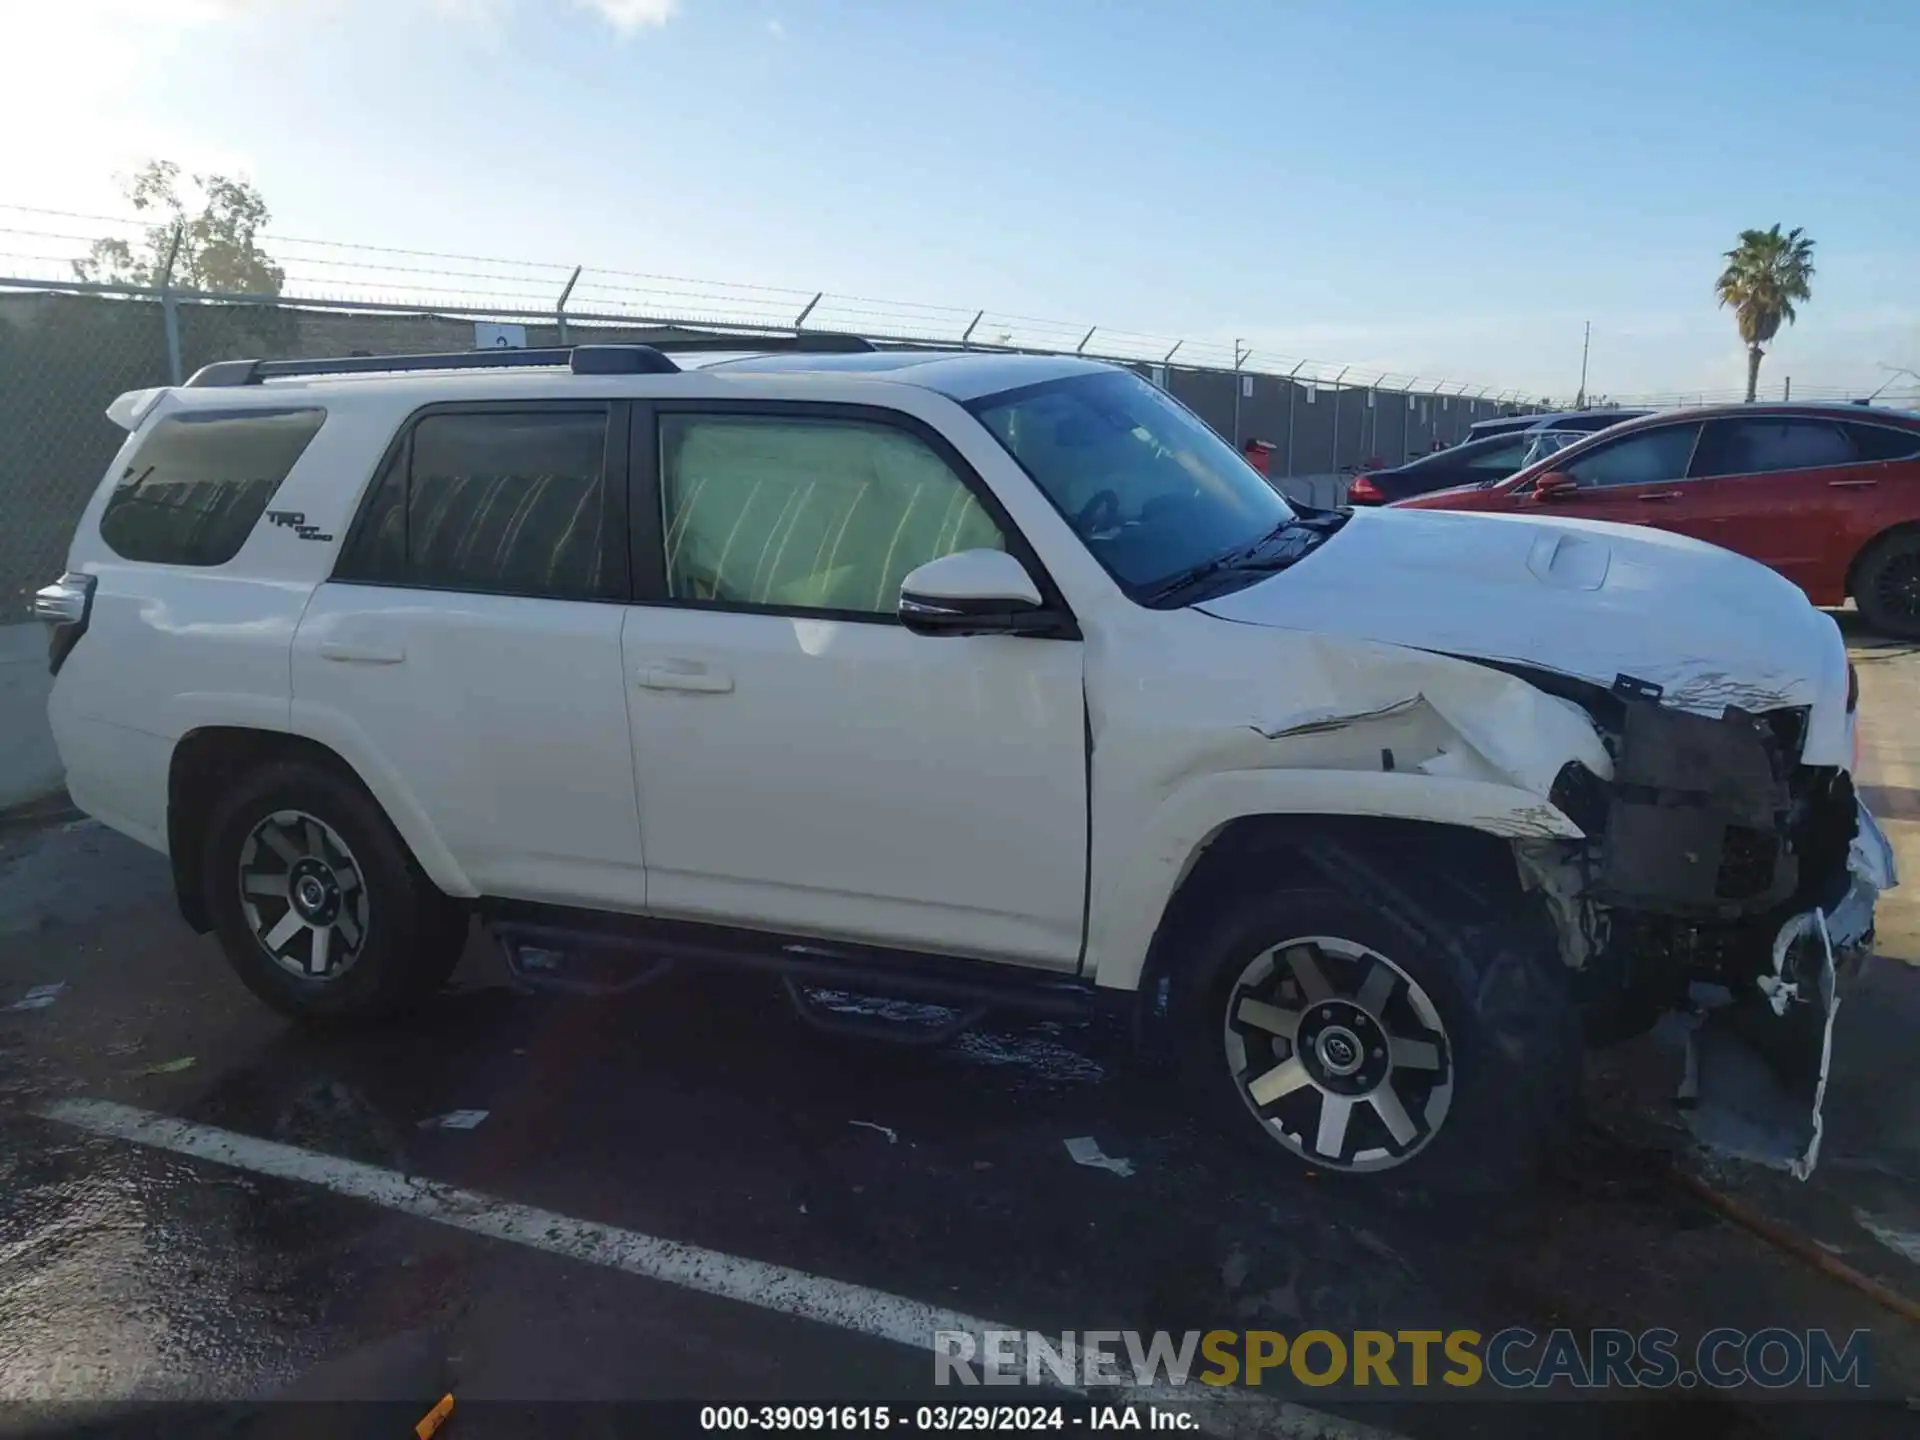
1766 272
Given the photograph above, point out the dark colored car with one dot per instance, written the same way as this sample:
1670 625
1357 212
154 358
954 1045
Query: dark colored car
1828 495
1581 420
1473 462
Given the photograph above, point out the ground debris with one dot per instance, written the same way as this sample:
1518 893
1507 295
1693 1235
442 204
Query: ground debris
39 997
1085 1150
455 1120
169 1067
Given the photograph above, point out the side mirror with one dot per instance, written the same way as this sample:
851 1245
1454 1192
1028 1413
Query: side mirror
975 592
1553 486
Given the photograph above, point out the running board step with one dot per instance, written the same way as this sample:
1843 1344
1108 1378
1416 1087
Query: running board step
587 953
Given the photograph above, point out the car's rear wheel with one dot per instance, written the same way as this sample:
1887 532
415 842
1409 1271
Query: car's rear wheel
1320 1029
1886 586
319 906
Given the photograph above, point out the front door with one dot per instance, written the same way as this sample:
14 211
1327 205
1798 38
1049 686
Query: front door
805 764
1639 479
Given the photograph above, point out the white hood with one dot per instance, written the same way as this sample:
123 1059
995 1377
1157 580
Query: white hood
1579 597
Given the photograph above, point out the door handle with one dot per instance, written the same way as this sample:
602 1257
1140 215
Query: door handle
361 654
1851 484
685 675
1661 495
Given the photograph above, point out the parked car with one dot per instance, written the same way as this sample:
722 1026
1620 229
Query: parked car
1584 421
987 682
1828 495
1478 462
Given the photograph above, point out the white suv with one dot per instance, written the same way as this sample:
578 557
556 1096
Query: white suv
991 681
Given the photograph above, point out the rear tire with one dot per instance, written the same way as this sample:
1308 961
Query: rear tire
1886 585
1455 1066
319 905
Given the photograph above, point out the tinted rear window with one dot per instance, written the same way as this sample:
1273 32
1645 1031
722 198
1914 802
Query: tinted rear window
197 484
505 502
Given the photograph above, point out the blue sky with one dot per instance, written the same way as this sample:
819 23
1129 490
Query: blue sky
1432 189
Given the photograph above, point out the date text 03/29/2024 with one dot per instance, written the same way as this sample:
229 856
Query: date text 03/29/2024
946 1418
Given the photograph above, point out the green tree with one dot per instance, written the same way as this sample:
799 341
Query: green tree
218 224
1766 273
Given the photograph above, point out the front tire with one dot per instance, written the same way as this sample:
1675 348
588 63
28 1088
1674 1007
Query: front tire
320 907
1317 1028
1886 586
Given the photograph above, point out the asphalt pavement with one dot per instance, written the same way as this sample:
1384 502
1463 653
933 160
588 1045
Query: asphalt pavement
685 1193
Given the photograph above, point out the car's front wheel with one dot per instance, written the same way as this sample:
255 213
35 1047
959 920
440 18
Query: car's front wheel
319 906
1322 1030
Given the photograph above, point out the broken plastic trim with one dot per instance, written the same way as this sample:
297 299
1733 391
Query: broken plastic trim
1756 1067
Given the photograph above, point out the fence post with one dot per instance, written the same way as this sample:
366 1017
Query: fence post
1292 390
170 308
1239 359
1406 429
1334 450
560 305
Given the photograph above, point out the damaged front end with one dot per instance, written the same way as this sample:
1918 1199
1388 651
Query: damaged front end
1723 879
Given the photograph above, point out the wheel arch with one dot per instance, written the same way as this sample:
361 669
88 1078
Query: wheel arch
209 758
1439 866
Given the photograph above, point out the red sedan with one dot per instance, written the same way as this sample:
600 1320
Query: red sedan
1828 495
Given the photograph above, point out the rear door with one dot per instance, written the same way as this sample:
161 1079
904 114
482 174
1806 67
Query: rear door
1784 490
1638 479
465 653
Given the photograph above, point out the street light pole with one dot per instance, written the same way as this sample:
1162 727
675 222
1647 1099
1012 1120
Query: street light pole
1580 400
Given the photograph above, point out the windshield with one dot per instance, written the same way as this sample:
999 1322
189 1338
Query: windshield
1146 484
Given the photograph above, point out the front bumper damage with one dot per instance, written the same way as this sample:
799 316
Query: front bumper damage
1756 1066
1724 880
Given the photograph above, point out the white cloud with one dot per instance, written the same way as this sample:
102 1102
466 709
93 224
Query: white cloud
630 17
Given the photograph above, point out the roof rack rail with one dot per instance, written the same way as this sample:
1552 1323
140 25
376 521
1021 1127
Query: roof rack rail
581 359
806 342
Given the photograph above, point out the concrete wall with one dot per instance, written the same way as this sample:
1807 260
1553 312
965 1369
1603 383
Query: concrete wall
29 765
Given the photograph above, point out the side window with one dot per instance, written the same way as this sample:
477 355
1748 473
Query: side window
197 484
1502 460
1648 458
1755 447
807 513
503 502
1883 442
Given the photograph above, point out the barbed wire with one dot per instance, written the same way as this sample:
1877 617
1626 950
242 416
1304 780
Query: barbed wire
345 273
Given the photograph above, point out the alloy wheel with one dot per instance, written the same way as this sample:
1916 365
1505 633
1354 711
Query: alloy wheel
1339 1053
1897 587
303 895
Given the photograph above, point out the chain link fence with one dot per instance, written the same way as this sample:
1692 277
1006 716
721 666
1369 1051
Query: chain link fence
67 350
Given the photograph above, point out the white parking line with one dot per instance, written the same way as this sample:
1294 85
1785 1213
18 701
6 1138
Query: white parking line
853 1308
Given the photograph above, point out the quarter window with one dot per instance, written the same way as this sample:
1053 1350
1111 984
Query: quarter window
809 514
1648 458
198 484
502 502
1760 446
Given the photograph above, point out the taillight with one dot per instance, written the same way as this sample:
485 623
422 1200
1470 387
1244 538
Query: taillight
65 606
1364 492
